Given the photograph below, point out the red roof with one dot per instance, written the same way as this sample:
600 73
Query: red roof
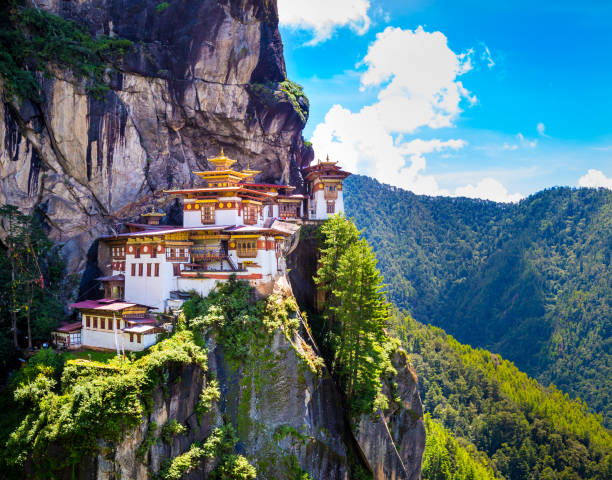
108 304
69 327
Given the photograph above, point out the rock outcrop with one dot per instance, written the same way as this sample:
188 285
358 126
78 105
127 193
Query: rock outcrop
203 74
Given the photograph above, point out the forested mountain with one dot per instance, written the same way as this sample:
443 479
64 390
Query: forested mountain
503 423
531 281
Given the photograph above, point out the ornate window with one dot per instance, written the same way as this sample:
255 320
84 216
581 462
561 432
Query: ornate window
208 213
331 207
246 248
249 214
331 192
288 210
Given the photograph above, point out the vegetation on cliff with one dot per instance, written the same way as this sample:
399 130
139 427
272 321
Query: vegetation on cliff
32 285
501 417
351 328
32 40
64 410
531 280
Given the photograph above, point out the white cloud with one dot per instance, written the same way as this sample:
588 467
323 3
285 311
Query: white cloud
486 56
523 142
323 17
541 128
595 178
490 189
416 76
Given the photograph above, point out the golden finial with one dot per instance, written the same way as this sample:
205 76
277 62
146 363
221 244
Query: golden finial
319 161
222 154
327 158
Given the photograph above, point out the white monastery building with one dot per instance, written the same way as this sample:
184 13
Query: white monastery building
231 226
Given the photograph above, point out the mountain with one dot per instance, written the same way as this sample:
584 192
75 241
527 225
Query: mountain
124 99
487 419
531 281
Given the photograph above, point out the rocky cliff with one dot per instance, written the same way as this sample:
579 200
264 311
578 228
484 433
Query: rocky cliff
287 414
202 74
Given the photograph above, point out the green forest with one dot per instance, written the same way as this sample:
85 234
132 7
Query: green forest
531 281
487 419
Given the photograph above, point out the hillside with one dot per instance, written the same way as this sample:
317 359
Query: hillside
531 281
503 423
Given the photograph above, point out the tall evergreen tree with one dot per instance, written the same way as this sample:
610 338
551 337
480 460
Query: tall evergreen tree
361 310
354 315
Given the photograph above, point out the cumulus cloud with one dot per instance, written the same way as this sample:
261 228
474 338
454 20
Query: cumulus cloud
416 73
416 76
490 189
595 178
323 17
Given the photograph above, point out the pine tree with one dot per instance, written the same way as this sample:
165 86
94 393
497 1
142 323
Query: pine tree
362 312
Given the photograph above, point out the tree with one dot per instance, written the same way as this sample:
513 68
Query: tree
355 314
361 309
23 296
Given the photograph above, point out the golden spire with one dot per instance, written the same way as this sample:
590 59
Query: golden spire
221 154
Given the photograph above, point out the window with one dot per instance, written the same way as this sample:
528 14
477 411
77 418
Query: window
176 268
249 214
208 213
288 210
331 207
270 211
102 323
157 269
148 269
139 338
88 321
140 269
153 251
117 323
137 254
95 322
246 248
131 337
133 269
331 192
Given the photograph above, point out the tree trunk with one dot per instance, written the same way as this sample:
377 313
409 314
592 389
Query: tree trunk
28 318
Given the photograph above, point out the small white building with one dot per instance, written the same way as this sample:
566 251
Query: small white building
113 324
324 182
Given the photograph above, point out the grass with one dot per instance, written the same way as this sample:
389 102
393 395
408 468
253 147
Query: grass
87 354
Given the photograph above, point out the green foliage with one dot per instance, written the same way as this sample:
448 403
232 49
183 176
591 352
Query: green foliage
149 440
241 323
499 415
447 459
161 7
296 96
32 40
209 396
355 315
32 283
287 90
171 429
219 444
235 467
531 280
92 401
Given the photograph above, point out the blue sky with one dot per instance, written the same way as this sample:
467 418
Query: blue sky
484 99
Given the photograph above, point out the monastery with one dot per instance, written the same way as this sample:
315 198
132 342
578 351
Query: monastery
232 226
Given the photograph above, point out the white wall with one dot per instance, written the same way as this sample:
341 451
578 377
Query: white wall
151 291
106 339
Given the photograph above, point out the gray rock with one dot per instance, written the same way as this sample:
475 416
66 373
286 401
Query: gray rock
192 84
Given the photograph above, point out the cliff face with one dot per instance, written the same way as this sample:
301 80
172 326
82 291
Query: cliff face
203 74
287 414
